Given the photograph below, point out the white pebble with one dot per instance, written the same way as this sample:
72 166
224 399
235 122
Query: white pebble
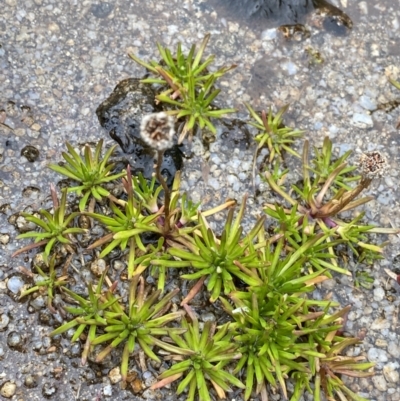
367 103
269 34
377 355
289 67
390 371
213 183
107 390
379 383
379 294
362 120
14 284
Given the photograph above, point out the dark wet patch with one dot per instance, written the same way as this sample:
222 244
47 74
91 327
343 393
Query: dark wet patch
121 115
286 12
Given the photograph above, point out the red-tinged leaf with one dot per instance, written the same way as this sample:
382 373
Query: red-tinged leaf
195 289
166 381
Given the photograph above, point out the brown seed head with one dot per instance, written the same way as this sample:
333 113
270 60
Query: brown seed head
373 164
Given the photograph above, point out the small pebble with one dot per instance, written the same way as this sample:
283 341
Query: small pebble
379 294
377 355
30 381
14 340
391 372
394 349
362 120
8 389
4 320
115 375
38 302
98 267
4 239
208 317
107 390
379 382
14 284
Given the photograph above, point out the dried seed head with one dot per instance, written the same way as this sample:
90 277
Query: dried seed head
157 130
373 164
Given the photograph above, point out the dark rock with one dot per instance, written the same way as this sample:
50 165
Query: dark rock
121 115
30 152
102 10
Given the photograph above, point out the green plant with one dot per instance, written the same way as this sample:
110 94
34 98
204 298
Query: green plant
195 105
324 165
180 66
363 279
320 204
191 86
219 260
268 326
200 357
91 172
126 225
90 313
55 228
142 321
45 283
273 133
334 365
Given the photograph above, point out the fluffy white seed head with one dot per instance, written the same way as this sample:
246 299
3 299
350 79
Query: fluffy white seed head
157 130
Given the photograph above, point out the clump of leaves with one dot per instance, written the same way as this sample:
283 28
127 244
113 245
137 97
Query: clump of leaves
46 283
363 279
219 260
320 202
126 224
180 67
191 86
273 133
195 106
200 357
334 365
55 228
91 171
142 321
90 314
324 164
269 318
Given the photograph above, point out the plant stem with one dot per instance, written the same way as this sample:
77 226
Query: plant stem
330 209
167 194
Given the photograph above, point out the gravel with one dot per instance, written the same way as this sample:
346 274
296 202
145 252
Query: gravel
60 60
